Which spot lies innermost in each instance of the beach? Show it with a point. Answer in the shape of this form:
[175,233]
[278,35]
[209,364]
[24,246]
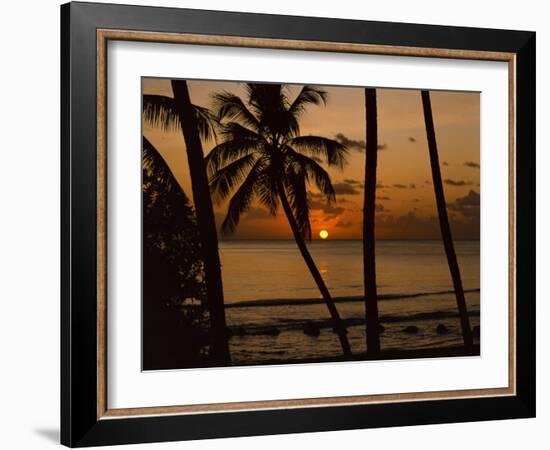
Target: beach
[276,315]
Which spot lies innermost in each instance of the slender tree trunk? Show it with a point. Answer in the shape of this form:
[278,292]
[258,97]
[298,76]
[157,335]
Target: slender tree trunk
[369,256]
[336,320]
[444,221]
[205,220]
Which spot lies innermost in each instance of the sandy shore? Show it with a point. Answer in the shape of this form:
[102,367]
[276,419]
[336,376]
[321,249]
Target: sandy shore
[383,355]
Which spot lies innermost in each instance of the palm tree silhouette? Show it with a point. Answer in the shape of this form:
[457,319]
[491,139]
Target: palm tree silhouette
[179,112]
[369,256]
[263,157]
[444,221]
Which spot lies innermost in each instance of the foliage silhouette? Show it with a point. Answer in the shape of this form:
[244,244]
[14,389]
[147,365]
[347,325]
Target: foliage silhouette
[174,292]
[263,157]
[197,123]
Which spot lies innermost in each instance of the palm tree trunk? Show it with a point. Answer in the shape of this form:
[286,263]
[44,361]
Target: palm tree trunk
[205,220]
[369,256]
[336,320]
[444,221]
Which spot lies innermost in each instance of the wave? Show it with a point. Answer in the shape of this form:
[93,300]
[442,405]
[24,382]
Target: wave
[349,299]
[251,329]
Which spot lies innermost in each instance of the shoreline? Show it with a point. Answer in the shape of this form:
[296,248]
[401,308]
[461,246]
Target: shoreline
[384,355]
[346,299]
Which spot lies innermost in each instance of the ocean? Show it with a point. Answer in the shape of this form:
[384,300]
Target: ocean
[270,296]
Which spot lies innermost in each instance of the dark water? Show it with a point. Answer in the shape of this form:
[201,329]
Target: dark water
[271,296]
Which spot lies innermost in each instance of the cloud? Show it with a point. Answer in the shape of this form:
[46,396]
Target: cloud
[352,181]
[383,198]
[317,202]
[445,163]
[405,186]
[471,164]
[413,226]
[451,182]
[343,224]
[411,139]
[358,145]
[468,205]
[346,188]
[350,143]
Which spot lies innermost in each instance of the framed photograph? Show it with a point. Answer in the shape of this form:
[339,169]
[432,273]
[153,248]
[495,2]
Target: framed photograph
[276,224]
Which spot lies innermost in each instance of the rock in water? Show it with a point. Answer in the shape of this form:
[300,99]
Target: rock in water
[441,329]
[412,329]
[312,329]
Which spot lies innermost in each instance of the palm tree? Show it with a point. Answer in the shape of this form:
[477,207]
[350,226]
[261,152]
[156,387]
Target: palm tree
[444,221]
[369,257]
[263,157]
[194,121]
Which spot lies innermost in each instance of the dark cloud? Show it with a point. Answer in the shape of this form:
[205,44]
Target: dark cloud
[412,226]
[350,143]
[352,181]
[379,207]
[358,145]
[330,210]
[316,195]
[468,205]
[451,182]
[471,164]
[346,188]
[383,198]
[404,186]
[411,139]
[343,224]
[445,163]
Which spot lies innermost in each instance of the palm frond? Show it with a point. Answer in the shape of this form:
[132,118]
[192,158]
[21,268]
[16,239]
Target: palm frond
[236,131]
[154,166]
[228,106]
[225,179]
[227,152]
[309,95]
[296,187]
[267,187]
[309,168]
[241,201]
[334,152]
[160,111]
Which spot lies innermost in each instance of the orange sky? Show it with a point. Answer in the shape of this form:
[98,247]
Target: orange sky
[405,197]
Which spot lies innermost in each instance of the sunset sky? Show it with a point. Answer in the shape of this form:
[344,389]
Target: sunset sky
[405,197]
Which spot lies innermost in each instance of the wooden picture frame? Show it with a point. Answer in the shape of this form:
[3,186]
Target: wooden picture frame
[86,419]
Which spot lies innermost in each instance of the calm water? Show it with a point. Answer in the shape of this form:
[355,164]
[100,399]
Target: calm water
[266,282]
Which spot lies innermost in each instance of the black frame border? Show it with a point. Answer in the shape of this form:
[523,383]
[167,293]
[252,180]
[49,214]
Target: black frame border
[79,424]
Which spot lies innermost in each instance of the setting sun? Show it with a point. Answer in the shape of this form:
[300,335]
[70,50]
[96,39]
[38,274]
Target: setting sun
[323,234]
